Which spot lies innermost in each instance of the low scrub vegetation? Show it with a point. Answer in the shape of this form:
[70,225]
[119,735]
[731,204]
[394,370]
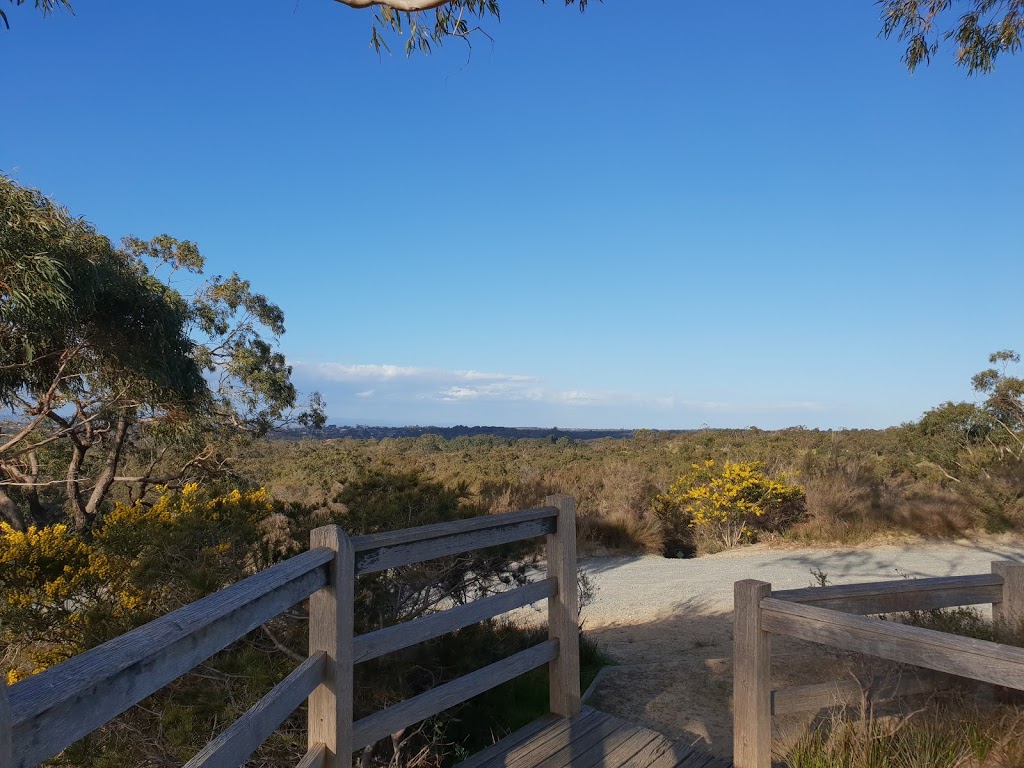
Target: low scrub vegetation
[62,592]
[718,506]
[951,729]
[955,733]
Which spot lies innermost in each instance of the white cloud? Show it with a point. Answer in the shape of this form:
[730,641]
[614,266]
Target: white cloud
[408,384]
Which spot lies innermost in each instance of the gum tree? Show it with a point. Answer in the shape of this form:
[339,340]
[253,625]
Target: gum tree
[102,356]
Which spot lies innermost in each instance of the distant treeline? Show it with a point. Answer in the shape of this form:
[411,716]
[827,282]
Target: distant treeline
[367,432]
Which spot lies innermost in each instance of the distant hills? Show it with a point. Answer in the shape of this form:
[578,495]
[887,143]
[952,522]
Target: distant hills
[373,432]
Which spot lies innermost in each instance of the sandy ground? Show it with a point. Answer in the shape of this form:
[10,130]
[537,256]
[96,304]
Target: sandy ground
[668,625]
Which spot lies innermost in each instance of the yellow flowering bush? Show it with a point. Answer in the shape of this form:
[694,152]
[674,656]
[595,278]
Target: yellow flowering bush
[61,593]
[723,505]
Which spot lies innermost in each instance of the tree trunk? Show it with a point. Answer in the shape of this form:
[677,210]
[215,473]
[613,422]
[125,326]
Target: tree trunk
[106,476]
[74,490]
[11,513]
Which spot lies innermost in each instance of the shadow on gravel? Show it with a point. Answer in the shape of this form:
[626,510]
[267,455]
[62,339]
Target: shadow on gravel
[872,565]
[674,675]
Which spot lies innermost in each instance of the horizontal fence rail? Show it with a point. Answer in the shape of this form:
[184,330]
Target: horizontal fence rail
[56,708]
[44,714]
[811,698]
[394,718]
[391,639]
[839,617]
[243,737]
[901,595]
[928,648]
[381,551]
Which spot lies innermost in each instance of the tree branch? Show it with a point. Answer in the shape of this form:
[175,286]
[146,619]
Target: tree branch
[405,6]
[106,478]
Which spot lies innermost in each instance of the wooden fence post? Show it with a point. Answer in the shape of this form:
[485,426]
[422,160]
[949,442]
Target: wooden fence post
[1011,610]
[331,630]
[6,728]
[751,678]
[563,609]
[1010,614]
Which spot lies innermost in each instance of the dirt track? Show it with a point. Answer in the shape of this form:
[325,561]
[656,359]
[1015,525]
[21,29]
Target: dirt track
[668,624]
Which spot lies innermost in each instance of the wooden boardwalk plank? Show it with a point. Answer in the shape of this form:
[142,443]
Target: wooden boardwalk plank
[591,739]
[504,746]
[556,732]
[585,749]
[642,747]
[571,728]
[604,754]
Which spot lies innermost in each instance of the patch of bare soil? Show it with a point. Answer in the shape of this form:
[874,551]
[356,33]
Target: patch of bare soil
[675,675]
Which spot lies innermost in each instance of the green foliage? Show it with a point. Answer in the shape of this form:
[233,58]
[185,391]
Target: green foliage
[981,30]
[723,505]
[102,355]
[442,20]
[62,592]
[978,448]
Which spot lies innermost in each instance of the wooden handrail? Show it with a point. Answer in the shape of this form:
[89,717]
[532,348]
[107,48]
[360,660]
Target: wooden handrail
[827,615]
[928,648]
[390,639]
[383,551]
[48,712]
[398,716]
[243,737]
[901,595]
[56,708]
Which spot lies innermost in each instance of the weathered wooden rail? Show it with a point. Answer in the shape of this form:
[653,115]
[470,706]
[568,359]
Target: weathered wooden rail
[46,713]
[840,617]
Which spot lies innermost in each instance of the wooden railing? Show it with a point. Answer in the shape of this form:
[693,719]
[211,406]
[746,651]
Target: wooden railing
[829,615]
[46,713]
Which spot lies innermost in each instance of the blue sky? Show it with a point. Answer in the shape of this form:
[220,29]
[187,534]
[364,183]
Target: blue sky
[655,214]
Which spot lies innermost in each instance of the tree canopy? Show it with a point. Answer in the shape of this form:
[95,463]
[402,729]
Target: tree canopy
[979,30]
[99,352]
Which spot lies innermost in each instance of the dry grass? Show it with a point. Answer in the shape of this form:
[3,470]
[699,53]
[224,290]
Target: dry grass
[952,733]
[620,531]
[851,504]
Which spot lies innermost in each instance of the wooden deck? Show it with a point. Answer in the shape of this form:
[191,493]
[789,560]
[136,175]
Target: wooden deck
[591,739]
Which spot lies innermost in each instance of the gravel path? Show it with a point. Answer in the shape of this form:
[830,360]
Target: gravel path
[668,624]
[641,588]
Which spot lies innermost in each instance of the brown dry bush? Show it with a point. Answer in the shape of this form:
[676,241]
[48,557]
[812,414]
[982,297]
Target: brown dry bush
[853,503]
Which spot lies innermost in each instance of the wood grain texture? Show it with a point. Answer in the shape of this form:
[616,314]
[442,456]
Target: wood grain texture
[372,541]
[1010,608]
[591,739]
[963,656]
[558,738]
[243,737]
[751,698]
[331,629]
[391,639]
[563,609]
[606,753]
[6,728]
[639,750]
[901,594]
[314,758]
[841,693]
[586,748]
[377,726]
[56,708]
[397,555]
[497,751]
[550,740]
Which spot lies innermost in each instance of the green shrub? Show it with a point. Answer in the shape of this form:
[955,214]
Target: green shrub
[722,505]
